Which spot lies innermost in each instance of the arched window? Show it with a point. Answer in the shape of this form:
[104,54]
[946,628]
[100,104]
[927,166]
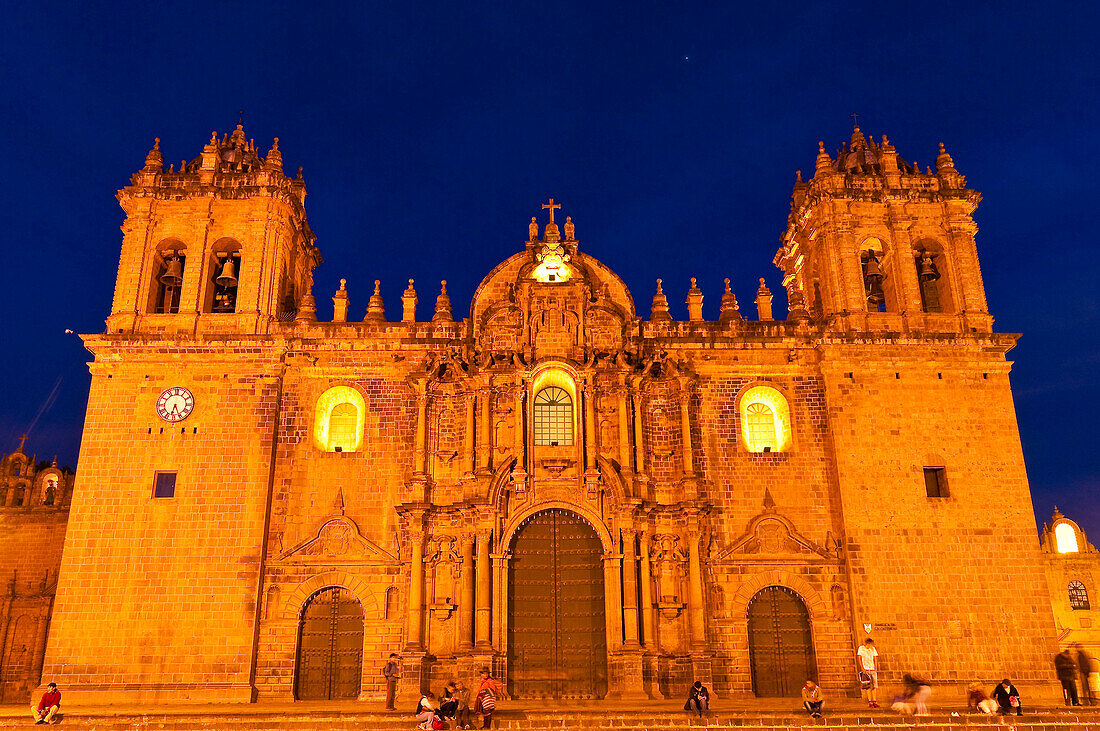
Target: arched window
[1065,538]
[553,417]
[223,274]
[1078,596]
[877,287]
[765,420]
[169,262]
[341,427]
[338,423]
[760,428]
[932,277]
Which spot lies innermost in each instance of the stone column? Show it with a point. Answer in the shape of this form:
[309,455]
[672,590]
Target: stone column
[630,591]
[685,427]
[421,431]
[696,619]
[613,603]
[416,591]
[484,599]
[639,434]
[624,429]
[470,458]
[649,613]
[519,474]
[466,599]
[485,397]
[589,426]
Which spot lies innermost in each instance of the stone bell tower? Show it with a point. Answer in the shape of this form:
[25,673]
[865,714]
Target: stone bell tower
[219,245]
[873,243]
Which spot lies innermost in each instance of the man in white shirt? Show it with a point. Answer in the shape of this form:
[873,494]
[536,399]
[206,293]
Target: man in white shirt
[866,657]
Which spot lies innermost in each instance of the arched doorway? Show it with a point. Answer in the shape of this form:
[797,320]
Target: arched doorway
[781,650]
[330,646]
[557,641]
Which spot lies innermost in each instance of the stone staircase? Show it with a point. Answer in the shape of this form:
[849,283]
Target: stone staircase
[579,719]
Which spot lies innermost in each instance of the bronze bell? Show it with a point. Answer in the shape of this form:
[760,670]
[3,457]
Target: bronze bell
[173,273]
[871,269]
[228,277]
[928,272]
[872,279]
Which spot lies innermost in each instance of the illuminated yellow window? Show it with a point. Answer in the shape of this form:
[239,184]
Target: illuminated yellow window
[760,429]
[553,417]
[338,424]
[1065,537]
[341,427]
[765,420]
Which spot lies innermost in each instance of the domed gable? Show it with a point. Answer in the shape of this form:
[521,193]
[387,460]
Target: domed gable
[499,287]
[551,301]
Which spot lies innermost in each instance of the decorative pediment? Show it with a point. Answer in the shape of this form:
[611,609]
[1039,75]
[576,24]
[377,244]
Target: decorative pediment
[771,537]
[338,542]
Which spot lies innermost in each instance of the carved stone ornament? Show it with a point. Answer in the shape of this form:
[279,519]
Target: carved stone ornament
[338,542]
[771,536]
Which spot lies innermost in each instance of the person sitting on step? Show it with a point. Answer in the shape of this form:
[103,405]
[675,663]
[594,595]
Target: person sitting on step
[812,699]
[698,699]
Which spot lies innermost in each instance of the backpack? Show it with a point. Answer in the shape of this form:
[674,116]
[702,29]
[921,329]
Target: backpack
[488,702]
[438,723]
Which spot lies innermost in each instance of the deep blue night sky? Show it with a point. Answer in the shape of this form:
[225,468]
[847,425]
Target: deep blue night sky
[670,131]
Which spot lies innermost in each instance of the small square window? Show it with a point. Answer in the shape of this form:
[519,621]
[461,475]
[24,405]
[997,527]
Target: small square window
[164,484]
[935,482]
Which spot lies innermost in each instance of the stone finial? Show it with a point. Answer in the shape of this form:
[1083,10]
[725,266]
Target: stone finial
[408,303]
[763,301]
[570,229]
[944,162]
[659,311]
[1057,514]
[274,159]
[858,140]
[154,161]
[443,305]
[694,302]
[824,163]
[340,303]
[798,176]
[376,311]
[533,230]
[796,303]
[888,157]
[728,310]
[307,308]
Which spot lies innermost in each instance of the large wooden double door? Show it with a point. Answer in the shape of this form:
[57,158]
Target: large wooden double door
[781,647]
[557,641]
[330,646]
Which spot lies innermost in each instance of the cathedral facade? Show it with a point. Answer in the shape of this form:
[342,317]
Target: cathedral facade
[594,501]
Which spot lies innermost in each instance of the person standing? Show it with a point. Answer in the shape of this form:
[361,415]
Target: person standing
[48,707]
[867,662]
[1065,665]
[486,700]
[462,715]
[1008,698]
[812,700]
[392,676]
[698,699]
[1084,664]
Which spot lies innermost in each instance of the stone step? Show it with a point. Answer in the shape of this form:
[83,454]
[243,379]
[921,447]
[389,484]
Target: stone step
[586,720]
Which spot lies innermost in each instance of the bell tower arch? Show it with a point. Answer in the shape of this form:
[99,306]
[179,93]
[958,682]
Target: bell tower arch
[219,245]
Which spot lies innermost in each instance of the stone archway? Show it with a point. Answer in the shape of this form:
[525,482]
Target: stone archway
[330,646]
[557,637]
[781,651]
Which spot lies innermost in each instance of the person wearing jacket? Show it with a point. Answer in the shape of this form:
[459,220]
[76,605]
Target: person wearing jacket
[698,699]
[425,711]
[1065,666]
[1008,698]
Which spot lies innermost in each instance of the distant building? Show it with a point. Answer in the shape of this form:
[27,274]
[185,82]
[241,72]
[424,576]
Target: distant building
[1073,573]
[34,510]
[593,501]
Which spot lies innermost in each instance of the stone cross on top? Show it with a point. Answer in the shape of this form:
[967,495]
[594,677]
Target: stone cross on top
[551,205]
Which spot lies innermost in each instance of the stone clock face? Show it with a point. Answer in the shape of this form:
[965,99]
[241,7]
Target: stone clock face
[175,404]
